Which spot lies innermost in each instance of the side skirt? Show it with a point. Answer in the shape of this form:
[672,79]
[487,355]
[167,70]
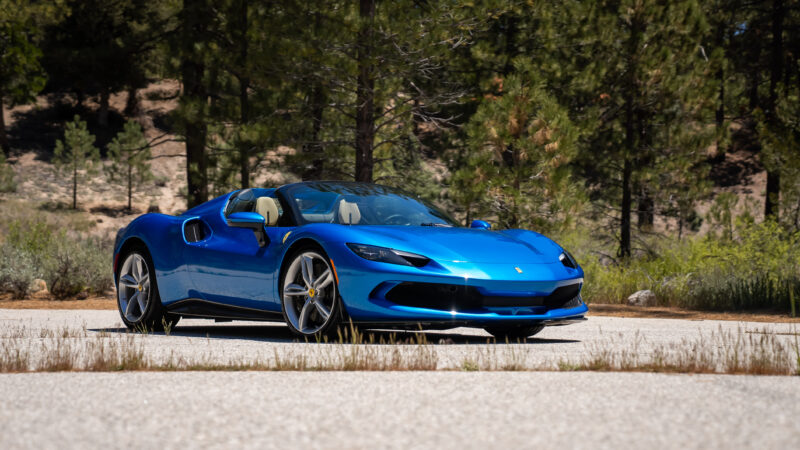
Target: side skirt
[204,309]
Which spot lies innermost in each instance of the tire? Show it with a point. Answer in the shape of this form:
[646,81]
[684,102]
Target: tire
[513,333]
[309,294]
[136,286]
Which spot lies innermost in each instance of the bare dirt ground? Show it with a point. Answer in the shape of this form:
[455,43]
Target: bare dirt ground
[663,312]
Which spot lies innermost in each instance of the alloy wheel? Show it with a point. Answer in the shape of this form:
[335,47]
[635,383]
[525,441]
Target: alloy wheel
[309,293]
[133,290]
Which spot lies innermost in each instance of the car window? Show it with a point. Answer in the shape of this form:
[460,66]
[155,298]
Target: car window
[360,204]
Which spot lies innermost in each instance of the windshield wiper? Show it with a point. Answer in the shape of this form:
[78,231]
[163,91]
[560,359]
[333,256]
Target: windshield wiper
[431,224]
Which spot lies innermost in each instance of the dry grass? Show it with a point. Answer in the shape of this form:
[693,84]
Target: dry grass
[724,352]
[727,352]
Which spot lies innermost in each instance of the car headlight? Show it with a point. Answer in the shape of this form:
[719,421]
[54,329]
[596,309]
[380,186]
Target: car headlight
[388,255]
[568,260]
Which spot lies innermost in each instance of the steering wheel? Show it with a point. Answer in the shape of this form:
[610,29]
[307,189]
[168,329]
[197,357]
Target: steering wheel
[396,219]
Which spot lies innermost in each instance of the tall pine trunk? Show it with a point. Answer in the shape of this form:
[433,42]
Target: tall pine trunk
[3,136]
[772,201]
[631,96]
[193,16]
[313,148]
[132,103]
[720,112]
[74,185]
[130,185]
[102,113]
[365,96]
[625,221]
[244,100]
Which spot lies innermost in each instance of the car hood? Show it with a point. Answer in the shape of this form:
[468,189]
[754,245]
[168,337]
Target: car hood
[460,244]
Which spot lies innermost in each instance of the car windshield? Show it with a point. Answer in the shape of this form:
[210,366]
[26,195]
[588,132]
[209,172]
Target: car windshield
[363,204]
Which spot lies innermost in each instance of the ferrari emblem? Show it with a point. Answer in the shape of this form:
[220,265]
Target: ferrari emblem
[518,269]
[311,292]
[140,288]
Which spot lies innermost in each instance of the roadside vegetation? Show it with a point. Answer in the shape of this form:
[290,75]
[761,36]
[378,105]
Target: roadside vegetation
[757,267]
[754,266]
[752,352]
[53,247]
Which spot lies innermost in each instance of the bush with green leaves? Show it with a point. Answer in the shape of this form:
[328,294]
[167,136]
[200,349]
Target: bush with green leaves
[75,266]
[68,263]
[17,271]
[758,267]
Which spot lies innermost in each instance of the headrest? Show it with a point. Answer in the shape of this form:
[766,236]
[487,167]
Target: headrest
[266,207]
[349,213]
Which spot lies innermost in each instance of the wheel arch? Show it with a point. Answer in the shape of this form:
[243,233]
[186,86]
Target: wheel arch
[129,244]
[300,243]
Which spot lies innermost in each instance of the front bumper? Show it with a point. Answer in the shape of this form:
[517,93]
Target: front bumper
[492,293]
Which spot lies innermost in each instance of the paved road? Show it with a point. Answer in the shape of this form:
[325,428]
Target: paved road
[397,410]
[447,409]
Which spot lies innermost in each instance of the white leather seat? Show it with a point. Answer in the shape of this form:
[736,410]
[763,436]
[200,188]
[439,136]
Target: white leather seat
[266,207]
[349,213]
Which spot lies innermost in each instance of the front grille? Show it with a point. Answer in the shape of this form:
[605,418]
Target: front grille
[450,297]
[446,297]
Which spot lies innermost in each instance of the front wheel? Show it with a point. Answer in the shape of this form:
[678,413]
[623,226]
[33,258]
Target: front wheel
[309,297]
[513,333]
[137,294]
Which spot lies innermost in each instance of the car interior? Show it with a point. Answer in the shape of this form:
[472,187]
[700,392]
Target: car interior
[258,201]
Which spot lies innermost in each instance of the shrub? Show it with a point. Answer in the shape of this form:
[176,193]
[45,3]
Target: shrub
[17,271]
[70,265]
[75,266]
[755,267]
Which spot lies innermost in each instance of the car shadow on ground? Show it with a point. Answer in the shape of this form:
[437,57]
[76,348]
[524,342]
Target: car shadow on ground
[281,334]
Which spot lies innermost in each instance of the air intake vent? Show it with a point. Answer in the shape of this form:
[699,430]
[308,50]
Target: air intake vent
[449,297]
[194,231]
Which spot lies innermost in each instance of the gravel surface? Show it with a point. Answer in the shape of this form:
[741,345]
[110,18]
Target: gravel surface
[397,410]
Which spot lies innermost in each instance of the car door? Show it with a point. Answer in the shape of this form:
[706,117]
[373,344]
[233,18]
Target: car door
[229,267]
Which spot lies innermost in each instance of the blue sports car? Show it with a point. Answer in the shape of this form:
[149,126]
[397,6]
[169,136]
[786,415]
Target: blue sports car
[317,254]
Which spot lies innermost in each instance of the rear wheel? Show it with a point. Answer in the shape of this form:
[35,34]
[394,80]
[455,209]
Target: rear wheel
[515,332]
[309,297]
[137,294]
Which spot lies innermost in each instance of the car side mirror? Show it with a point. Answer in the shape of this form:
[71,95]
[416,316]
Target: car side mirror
[251,220]
[480,225]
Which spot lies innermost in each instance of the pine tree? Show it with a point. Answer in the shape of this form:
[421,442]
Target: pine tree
[76,155]
[102,47]
[195,57]
[21,74]
[522,144]
[129,153]
[642,89]
[377,70]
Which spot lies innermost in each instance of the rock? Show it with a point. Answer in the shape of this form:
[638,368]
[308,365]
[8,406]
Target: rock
[38,285]
[642,298]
